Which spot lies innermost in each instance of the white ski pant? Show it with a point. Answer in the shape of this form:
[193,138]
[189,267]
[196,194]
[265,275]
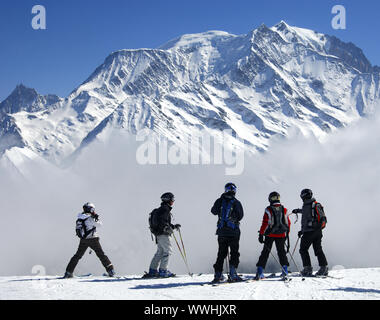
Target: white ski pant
[164,250]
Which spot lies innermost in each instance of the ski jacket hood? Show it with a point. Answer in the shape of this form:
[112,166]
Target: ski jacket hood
[228,195]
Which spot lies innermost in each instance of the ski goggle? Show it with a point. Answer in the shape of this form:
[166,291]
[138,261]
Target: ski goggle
[275,197]
[89,207]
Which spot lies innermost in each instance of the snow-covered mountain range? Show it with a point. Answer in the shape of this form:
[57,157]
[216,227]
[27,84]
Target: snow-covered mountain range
[259,84]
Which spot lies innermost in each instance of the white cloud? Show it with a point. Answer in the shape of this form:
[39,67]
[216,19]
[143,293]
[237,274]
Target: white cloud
[38,216]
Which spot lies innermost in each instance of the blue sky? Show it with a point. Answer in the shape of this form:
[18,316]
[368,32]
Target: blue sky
[80,34]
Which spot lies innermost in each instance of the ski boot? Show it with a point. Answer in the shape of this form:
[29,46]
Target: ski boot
[307,271]
[259,273]
[68,275]
[233,276]
[284,272]
[111,271]
[153,273]
[218,277]
[323,271]
[164,273]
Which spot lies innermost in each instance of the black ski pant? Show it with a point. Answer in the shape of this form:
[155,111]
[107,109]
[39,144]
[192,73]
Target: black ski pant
[313,238]
[281,252]
[224,244]
[94,244]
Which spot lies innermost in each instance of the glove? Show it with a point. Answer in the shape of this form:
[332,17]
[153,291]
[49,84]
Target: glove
[261,238]
[168,229]
[296,211]
[96,217]
[177,226]
[77,231]
[300,233]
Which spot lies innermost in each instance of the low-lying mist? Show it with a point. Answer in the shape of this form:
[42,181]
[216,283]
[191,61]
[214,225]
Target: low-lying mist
[38,214]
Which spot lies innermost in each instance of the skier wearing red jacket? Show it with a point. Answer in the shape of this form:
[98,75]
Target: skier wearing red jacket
[275,228]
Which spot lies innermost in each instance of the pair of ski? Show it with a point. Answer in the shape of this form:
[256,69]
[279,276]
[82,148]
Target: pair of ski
[298,275]
[273,275]
[147,277]
[285,279]
[114,276]
[90,274]
[317,276]
[76,277]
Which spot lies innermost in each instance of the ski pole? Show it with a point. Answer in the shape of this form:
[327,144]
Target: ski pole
[183,258]
[179,248]
[295,247]
[298,270]
[228,262]
[296,216]
[282,268]
[184,252]
[291,255]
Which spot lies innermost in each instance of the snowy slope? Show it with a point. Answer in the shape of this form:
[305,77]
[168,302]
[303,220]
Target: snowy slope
[355,284]
[259,84]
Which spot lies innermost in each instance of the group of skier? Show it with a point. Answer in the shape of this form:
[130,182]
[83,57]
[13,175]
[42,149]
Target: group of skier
[275,229]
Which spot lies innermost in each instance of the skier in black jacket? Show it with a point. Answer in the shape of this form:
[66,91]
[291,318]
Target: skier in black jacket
[230,212]
[163,230]
[313,222]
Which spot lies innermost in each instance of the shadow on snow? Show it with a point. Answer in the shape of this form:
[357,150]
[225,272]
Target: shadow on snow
[358,290]
[168,285]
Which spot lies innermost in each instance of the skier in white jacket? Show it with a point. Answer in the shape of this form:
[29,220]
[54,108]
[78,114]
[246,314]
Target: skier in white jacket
[86,225]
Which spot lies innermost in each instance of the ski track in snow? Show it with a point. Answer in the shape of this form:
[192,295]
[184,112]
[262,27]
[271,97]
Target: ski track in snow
[354,284]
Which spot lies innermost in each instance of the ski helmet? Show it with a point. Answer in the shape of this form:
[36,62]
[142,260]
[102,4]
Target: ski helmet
[306,194]
[274,197]
[88,207]
[167,197]
[230,187]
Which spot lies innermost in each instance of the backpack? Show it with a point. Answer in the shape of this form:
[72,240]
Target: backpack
[153,222]
[319,219]
[225,218]
[81,230]
[278,223]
